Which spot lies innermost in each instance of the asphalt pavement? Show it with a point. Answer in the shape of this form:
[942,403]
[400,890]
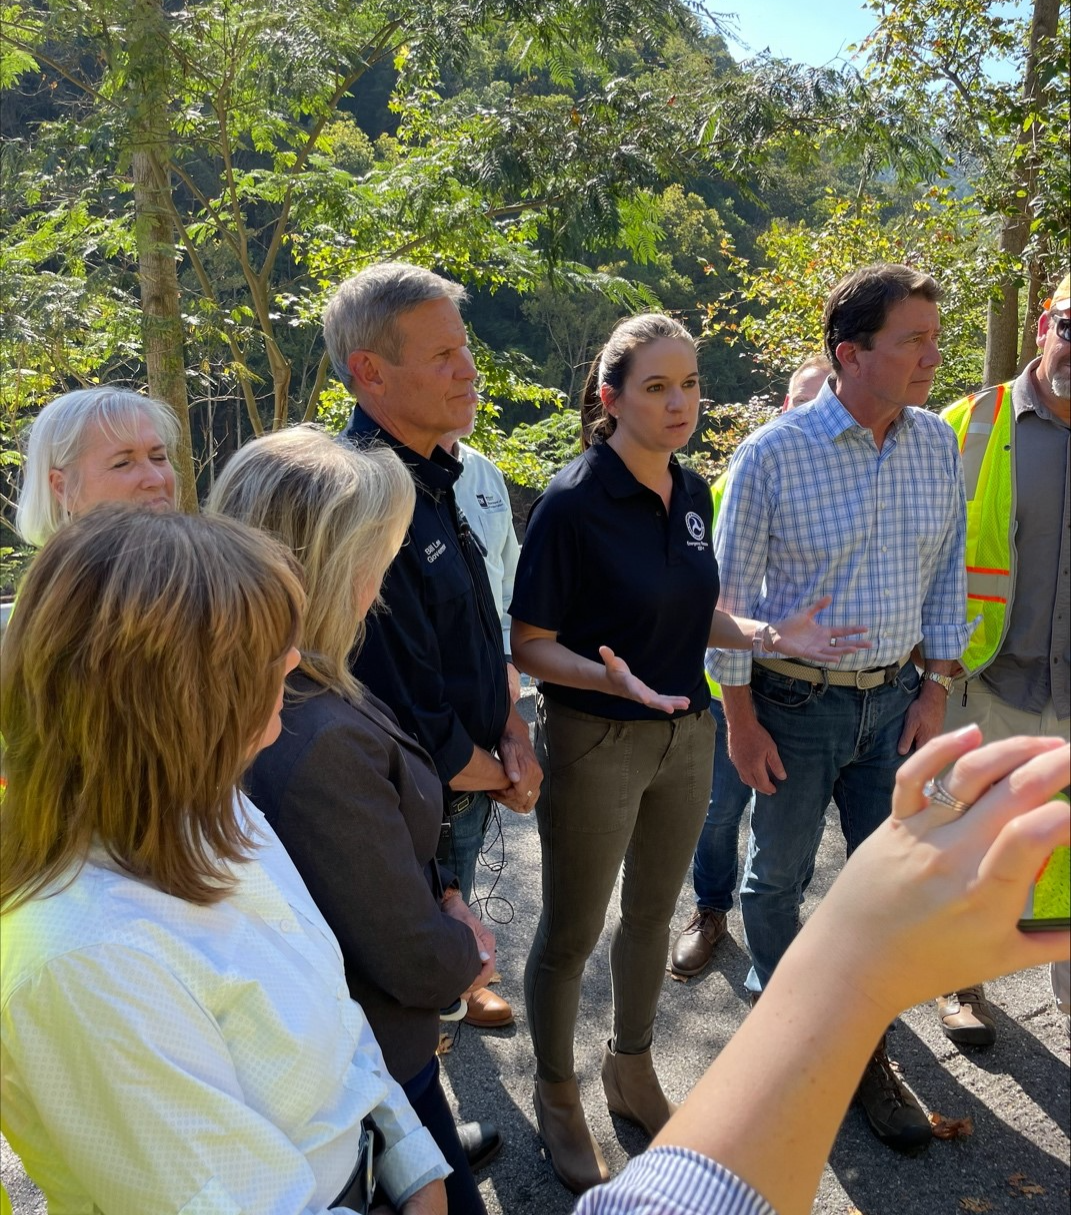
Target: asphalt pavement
[1016,1093]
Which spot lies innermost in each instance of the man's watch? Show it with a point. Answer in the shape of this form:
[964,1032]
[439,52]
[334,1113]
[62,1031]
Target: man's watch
[944,680]
[763,640]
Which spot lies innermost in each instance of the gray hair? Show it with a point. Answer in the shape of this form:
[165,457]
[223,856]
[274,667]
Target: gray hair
[58,438]
[363,312]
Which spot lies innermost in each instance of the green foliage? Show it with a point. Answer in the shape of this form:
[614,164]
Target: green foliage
[14,61]
[535,451]
[569,160]
[277,193]
[723,428]
[939,234]
[962,64]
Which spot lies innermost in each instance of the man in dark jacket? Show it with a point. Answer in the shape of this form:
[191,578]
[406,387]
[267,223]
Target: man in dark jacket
[434,654]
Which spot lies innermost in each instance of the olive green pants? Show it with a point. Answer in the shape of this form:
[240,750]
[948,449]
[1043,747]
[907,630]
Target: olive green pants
[615,793]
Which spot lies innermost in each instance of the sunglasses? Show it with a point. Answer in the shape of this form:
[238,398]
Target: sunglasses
[1063,328]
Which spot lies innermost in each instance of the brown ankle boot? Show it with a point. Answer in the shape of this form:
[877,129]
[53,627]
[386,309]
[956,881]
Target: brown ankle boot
[573,1152]
[633,1091]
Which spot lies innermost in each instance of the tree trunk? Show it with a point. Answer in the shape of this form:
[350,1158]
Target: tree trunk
[161,317]
[1029,347]
[1002,316]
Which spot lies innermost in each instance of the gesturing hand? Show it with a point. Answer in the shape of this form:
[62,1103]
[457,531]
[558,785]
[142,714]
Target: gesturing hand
[624,683]
[801,636]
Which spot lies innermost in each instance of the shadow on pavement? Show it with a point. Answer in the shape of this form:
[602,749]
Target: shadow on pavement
[998,1168]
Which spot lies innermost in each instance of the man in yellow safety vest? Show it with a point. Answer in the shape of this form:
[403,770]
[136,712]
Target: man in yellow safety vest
[1016,678]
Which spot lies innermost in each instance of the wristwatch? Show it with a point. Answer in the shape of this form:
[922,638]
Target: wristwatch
[763,640]
[944,680]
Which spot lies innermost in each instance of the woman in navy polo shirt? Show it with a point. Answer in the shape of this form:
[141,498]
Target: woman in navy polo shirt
[615,597]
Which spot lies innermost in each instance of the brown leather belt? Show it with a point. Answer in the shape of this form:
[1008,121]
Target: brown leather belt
[863,680]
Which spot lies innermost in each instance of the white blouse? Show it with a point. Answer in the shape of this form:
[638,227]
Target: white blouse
[161,1056]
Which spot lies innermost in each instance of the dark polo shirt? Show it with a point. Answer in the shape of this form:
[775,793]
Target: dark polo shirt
[602,564]
[434,654]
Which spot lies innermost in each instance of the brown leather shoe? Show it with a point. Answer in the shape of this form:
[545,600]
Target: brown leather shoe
[573,1152]
[487,1011]
[633,1091]
[692,950]
[966,1017]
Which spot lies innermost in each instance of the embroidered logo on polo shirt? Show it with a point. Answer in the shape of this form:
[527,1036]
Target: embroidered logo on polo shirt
[696,527]
[490,501]
[434,550]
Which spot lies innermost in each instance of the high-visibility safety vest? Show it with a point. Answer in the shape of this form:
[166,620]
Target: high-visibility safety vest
[717,492]
[985,426]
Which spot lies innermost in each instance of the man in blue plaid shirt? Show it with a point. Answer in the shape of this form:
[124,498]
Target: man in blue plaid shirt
[858,495]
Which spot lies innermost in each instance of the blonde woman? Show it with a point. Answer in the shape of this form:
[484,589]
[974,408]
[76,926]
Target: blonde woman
[174,1019]
[91,446]
[356,802]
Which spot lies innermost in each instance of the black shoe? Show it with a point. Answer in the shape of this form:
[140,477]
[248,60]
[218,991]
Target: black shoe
[481,1142]
[891,1109]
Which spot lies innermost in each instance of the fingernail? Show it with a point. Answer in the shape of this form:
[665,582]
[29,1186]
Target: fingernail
[963,731]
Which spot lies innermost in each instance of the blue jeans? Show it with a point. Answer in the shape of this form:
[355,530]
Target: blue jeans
[462,850]
[714,868]
[837,743]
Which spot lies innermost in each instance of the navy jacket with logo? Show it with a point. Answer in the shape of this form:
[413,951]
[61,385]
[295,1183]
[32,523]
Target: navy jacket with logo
[434,654]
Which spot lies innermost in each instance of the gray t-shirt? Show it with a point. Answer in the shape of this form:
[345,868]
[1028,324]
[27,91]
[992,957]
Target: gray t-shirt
[1034,662]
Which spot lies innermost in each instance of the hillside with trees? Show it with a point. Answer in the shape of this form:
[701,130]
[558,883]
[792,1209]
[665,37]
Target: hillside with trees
[185,183]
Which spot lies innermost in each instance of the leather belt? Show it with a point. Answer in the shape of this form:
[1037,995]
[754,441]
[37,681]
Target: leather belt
[358,1193]
[459,803]
[862,680]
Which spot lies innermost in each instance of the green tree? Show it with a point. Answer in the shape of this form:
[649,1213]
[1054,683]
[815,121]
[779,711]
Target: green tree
[778,308]
[1007,129]
[215,132]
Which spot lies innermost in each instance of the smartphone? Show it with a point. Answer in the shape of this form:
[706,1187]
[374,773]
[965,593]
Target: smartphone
[1048,905]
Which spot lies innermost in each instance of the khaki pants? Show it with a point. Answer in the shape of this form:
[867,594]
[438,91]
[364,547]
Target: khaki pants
[996,718]
[615,793]
[999,720]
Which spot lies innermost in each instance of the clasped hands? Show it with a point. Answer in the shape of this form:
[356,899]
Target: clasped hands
[520,766]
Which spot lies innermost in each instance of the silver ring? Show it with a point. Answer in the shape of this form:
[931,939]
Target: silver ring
[832,641]
[936,792]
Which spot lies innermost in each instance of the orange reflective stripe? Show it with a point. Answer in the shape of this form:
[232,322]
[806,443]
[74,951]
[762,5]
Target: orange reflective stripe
[987,598]
[981,569]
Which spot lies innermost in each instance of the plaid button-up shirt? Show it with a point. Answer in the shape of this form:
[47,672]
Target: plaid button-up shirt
[674,1181]
[813,508]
